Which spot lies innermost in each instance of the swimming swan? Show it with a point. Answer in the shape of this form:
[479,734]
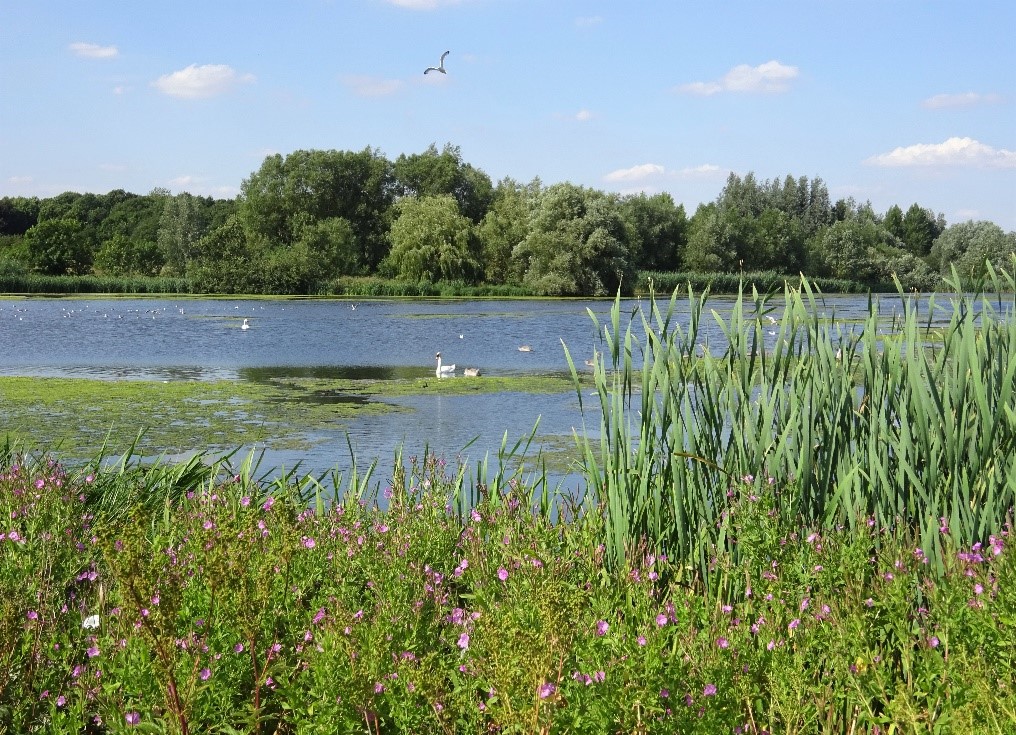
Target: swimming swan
[245,325]
[525,348]
[443,370]
[471,372]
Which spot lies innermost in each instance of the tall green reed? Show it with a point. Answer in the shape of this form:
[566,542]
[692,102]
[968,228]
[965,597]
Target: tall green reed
[889,424]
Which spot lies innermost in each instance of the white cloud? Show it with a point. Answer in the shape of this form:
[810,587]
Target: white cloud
[367,86]
[952,152]
[706,169]
[19,180]
[588,21]
[422,4]
[93,51]
[196,82]
[635,173]
[183,181]
[120,89]
[583,115]
[771,76]
[966,99]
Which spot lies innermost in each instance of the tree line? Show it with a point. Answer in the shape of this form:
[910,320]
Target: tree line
[304,220]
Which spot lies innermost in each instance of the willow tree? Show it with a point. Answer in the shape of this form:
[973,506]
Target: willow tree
[431,241]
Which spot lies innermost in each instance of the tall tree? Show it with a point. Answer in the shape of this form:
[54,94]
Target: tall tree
[660,230]
[920,228]
[57,247]
[433,173]
[431,240]
[180,228]
[278,200]
[503,227]
[578,244]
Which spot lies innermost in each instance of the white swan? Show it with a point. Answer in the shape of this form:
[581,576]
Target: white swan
[245,325]
[443,370]
[525,348]
[471,372]
[439,67]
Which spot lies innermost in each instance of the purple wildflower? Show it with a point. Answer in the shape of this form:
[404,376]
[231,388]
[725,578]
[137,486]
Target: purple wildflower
[709,691]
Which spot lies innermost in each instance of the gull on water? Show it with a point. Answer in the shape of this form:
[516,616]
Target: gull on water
[439,67]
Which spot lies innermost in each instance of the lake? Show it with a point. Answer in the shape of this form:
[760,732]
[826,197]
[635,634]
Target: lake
[169,339]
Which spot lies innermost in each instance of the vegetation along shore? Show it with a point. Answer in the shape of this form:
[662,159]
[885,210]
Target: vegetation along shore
[812,538]
[357,223]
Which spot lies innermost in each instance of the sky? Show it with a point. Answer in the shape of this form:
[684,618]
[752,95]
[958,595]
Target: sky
[887,101]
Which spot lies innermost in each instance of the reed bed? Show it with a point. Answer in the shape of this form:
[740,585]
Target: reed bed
[909,423]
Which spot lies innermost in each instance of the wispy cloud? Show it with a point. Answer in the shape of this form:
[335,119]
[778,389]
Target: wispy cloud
[588,21]
[422,4]
[635,173]
[197,82]
[965,99]
[584,115]
[706,169]
[20,180]
[771,76]
[952,152]
[368,86]
[93,51]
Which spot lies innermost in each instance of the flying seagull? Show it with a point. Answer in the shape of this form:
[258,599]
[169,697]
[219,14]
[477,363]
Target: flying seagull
[439,67]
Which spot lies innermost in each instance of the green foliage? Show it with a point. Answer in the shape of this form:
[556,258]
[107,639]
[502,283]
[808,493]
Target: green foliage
[970,246]
[504,226]
[660,230]
[578,244]
[434,173]
[215,600]
[839,410]
[287,194]
[431,241]
[57,247]
[121,256]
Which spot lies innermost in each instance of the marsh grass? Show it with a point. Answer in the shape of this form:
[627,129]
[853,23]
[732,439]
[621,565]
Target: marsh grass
[851,423]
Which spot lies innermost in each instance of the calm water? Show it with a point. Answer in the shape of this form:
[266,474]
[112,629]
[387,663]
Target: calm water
[188,339]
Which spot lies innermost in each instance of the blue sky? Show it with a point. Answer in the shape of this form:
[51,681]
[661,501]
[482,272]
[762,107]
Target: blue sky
[892,101]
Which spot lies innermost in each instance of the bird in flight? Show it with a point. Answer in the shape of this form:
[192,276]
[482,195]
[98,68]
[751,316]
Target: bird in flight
[439,67]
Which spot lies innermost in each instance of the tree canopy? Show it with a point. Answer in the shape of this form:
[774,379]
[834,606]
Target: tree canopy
[305,219]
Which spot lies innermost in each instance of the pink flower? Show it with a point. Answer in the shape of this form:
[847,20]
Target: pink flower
[794,623]
[132,718]
[602,626]
[709,691]
[546,689]
[464,641]
[502,574]
[93,651]
[308,542]
[661,620]
[205,674]
[641,640]
[722,642]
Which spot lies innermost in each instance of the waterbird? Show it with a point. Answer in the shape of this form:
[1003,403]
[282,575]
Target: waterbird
[471,372]
[439,67]
[245,325]
[443,370]
[525,348]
